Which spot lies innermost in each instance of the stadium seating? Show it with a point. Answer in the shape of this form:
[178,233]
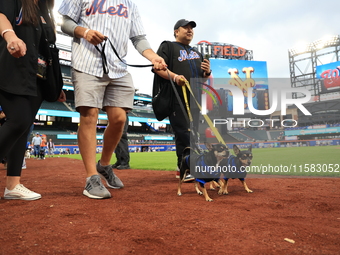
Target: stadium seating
[258,135]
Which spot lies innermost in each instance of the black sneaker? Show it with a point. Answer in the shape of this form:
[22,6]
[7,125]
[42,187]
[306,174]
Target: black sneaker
[109,176]
[121,167]
[94,188]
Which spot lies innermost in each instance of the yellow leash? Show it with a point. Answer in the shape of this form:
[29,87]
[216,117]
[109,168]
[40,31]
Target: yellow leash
[187,103]
[206,117]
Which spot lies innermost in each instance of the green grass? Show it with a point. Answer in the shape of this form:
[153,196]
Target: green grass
[302,161]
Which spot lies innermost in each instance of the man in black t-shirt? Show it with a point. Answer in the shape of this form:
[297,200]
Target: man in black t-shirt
[186,63]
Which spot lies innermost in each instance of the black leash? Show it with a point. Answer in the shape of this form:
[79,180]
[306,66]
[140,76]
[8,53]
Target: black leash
[104,60]
[193,136]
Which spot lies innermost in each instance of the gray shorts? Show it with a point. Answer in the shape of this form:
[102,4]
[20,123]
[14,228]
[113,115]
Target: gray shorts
[97,92]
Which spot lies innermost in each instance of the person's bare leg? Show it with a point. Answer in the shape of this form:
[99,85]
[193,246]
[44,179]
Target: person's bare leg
[12,181]
[113,133]
[87,141]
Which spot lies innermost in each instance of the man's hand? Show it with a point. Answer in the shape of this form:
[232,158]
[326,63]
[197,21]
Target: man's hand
[180,80]
[159,63]
[205,66]
[62,96]
[94,37]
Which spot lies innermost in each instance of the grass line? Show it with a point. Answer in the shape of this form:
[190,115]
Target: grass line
[299,161]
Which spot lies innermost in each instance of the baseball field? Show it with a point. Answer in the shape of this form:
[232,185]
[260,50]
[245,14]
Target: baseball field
[286,214]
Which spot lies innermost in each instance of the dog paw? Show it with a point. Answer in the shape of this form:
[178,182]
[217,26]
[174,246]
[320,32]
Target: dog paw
[209,200]
[179,194]
[200,193]
[249,191]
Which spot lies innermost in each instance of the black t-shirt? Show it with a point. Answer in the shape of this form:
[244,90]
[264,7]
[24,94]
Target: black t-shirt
[18,75]
[186,61]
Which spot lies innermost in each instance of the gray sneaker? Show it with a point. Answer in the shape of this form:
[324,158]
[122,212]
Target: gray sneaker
[94,188]
[112,180]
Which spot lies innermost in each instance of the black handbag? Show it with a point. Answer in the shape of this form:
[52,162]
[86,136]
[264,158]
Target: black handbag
[51,83]
[162,92]
[162,100]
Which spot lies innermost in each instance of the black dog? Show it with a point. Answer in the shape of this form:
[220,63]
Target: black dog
[207,160]
[235,167]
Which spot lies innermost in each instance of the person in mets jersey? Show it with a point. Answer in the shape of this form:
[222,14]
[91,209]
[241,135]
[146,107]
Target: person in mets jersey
[101,80]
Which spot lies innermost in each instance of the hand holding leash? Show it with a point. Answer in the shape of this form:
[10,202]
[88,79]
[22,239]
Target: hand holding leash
[180,80]
[159,63]
[94,37]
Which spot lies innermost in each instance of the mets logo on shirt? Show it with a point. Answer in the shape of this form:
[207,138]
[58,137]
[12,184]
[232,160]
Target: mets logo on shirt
[184,55]
[98,7]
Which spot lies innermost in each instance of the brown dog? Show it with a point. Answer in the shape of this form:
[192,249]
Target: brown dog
[236,166]
[209,159]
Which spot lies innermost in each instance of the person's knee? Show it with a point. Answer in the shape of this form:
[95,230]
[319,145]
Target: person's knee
[117,118]
[88,116]
[118,122]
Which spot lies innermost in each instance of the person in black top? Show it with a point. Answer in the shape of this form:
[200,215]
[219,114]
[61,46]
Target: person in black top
[187,63]
[21,23]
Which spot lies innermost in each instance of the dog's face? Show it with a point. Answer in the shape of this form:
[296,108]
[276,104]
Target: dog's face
[245,156]
[219,150]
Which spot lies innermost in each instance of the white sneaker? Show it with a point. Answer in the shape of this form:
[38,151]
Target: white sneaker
[21,192]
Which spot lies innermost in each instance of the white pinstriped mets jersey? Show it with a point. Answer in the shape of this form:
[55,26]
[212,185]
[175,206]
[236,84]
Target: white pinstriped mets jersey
[119,20]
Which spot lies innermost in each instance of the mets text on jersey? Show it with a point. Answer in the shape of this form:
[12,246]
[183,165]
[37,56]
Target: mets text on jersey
[97,7]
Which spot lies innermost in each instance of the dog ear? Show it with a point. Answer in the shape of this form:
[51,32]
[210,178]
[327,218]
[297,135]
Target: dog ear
[236,149]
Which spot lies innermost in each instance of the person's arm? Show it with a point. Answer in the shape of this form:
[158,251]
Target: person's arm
[143,47]
[71,28]
[167,74]
[176,78]
[15,46]
[157,61]
[180,79]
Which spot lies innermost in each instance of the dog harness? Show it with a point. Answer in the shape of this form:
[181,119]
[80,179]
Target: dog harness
[209,176]
[235,170]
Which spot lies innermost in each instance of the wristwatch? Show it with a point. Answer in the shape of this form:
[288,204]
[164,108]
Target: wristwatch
[208,74]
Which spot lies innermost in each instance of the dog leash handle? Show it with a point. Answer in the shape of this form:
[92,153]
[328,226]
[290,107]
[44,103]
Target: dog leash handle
[104,59]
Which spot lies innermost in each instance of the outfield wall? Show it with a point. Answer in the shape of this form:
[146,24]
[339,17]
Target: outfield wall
[73,149]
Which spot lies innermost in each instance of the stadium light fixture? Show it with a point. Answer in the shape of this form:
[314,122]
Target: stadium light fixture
[300,48]
[327,41]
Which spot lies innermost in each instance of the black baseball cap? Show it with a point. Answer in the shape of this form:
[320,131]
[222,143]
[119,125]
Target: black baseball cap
[184,22]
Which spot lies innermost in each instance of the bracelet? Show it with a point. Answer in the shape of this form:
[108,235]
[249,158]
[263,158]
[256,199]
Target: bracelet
[5,31]
[175,78]
[85,33]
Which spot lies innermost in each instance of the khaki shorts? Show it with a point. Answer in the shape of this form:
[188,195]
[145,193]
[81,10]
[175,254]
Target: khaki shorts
[92,91]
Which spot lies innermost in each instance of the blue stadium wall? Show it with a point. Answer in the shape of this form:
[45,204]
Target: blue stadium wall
[73,149]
